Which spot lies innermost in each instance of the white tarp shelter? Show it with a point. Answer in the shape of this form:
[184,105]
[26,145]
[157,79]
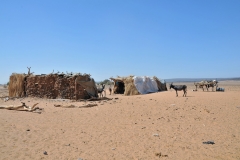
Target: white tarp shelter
[145,84]
[135,85]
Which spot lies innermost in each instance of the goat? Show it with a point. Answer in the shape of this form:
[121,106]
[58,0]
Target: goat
[100,90]
[29,70]
[29,73]
[179,88]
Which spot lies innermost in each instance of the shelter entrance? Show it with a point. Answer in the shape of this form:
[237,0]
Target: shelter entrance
[120,88]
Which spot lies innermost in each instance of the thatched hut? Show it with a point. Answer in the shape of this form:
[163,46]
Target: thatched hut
[133,85]
[67,86]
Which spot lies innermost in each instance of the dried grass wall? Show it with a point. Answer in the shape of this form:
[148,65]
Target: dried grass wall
[130,88]
[67,88]
[80,93]
[16,85]
[54,86]
[41,86]
[161,86]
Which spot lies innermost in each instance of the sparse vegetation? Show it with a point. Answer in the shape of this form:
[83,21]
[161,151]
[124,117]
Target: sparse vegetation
[106,82]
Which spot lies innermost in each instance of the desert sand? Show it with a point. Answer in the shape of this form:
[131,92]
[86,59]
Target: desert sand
[153,126]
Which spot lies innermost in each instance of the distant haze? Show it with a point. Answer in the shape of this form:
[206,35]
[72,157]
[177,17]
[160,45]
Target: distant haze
[199,79]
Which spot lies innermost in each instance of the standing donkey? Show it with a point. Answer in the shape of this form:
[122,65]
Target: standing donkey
[179,88]
[100,90]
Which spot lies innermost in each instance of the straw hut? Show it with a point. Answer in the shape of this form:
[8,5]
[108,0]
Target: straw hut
[66,86]
[135,85]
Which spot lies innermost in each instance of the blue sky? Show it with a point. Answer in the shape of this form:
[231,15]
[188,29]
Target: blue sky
[106,38]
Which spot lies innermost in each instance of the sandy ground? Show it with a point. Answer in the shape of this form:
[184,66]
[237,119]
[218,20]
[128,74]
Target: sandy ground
[152,126]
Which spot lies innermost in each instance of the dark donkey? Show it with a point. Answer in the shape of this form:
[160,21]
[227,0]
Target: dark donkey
[179,88]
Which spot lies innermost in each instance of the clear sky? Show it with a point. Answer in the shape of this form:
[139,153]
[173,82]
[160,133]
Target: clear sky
[106,38]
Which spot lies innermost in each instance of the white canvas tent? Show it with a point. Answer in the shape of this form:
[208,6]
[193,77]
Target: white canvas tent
[145,84]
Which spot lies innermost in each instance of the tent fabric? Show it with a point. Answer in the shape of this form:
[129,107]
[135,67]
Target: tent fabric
[145,84]
[89,85]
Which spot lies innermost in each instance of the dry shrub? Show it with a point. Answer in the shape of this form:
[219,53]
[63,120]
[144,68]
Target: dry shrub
[16,85]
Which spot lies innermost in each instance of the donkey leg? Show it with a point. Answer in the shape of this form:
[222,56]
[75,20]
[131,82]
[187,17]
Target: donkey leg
[176,94]
[185,93]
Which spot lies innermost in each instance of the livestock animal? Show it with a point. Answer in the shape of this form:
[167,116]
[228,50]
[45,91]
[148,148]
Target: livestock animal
[100,90]
[29,73]
[200,85]
[211,84]
[206,84]
[110,90]
[179,88]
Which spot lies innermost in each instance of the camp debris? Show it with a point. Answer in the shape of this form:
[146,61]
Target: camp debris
[74,106]
[220,89]
[23,107]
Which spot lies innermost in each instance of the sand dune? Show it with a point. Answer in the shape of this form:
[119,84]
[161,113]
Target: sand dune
[152,126]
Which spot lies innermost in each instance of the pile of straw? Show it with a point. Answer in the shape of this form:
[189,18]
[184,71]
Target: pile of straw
[16,85]
[130,88]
